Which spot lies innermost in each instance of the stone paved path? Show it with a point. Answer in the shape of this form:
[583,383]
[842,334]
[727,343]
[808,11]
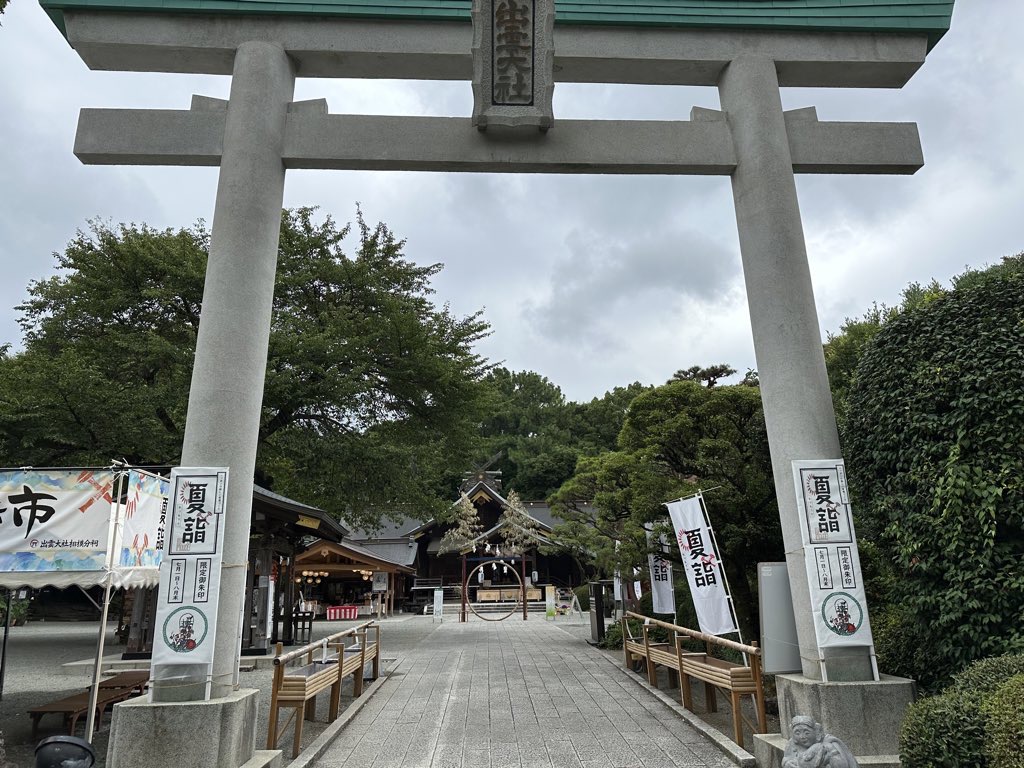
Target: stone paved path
[510,694]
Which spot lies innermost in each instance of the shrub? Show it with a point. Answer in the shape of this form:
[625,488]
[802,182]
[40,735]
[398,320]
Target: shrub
[612,637]
[1004,724]
[583,595]
[977,721]
[944,731]
[987,675]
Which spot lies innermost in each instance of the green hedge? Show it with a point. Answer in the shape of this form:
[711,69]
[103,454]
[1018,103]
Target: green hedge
[986,675]
[1004,716]
[944,731]
[978,722]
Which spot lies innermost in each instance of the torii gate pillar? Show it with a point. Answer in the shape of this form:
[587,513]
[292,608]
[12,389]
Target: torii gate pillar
[798,409]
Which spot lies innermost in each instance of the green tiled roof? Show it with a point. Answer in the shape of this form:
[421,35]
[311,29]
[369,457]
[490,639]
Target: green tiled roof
[931,17]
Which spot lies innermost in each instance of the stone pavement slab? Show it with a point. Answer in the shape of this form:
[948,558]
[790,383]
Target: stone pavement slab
[511,694]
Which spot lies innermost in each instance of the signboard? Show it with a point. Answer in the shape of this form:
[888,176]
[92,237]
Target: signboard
[780,649]
[549,601]
[703,567]
[662,593]
[144,517]
[380,581]
[55,520]
[834,578]
[438,605]
[186,614]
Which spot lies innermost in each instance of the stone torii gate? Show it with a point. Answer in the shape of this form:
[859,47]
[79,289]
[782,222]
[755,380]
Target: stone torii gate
[747,50]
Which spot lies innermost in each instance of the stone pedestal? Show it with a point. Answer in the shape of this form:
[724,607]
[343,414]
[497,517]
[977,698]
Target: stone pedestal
[866,716]
[219,733]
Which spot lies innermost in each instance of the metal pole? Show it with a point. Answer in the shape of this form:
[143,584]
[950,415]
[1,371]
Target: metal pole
[465,588]
[523,585]
[3,653]
[94,691]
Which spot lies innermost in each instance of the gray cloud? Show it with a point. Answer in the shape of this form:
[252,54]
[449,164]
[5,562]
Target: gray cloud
[591,281]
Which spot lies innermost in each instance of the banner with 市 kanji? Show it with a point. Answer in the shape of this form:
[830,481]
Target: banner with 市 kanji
[702,565]
[839,605]
[55,520]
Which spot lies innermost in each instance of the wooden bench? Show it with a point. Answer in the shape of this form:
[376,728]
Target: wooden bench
[74,706]
[296,688]
[135,680]
[732,679]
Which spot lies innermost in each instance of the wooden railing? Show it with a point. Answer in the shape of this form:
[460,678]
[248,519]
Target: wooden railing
[734,680]
[296,688]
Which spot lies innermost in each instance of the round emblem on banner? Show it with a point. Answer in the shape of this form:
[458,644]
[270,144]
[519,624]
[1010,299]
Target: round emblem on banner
[842,613]
[185,629]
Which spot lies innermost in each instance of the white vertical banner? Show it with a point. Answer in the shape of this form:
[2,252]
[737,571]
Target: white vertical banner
[662,595]
[187,602]
[703,566]
[840,608]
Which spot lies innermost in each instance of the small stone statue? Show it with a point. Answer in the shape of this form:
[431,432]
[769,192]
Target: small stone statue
[811,747]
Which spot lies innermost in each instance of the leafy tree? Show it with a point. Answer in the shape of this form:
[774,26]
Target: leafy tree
[596,425]
[526,422]
[540,435]
[677,438]
[934,444]
[372,393]
[843,350]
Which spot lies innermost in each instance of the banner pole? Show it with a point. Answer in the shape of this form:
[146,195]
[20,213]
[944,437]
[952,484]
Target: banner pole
[3,652]
[94,691]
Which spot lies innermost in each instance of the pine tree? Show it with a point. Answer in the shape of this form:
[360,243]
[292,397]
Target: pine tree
[467,527]
[520,531]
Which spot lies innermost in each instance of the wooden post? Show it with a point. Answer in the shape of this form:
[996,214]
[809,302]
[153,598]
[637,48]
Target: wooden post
[376,655]
[274,689]
[652,672]
[710,698]
[625,640]
[755,669]
[684,679]
[357,680]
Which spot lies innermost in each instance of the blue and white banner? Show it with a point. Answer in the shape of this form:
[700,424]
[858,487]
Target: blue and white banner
[56,520]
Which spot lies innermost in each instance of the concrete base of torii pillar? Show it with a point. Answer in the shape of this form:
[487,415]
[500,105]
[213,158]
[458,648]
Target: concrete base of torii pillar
[219,733]
[864,715]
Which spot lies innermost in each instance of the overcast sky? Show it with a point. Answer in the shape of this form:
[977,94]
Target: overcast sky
[592,281]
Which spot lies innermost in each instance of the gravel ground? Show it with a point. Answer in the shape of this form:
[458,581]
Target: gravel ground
[35,675]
